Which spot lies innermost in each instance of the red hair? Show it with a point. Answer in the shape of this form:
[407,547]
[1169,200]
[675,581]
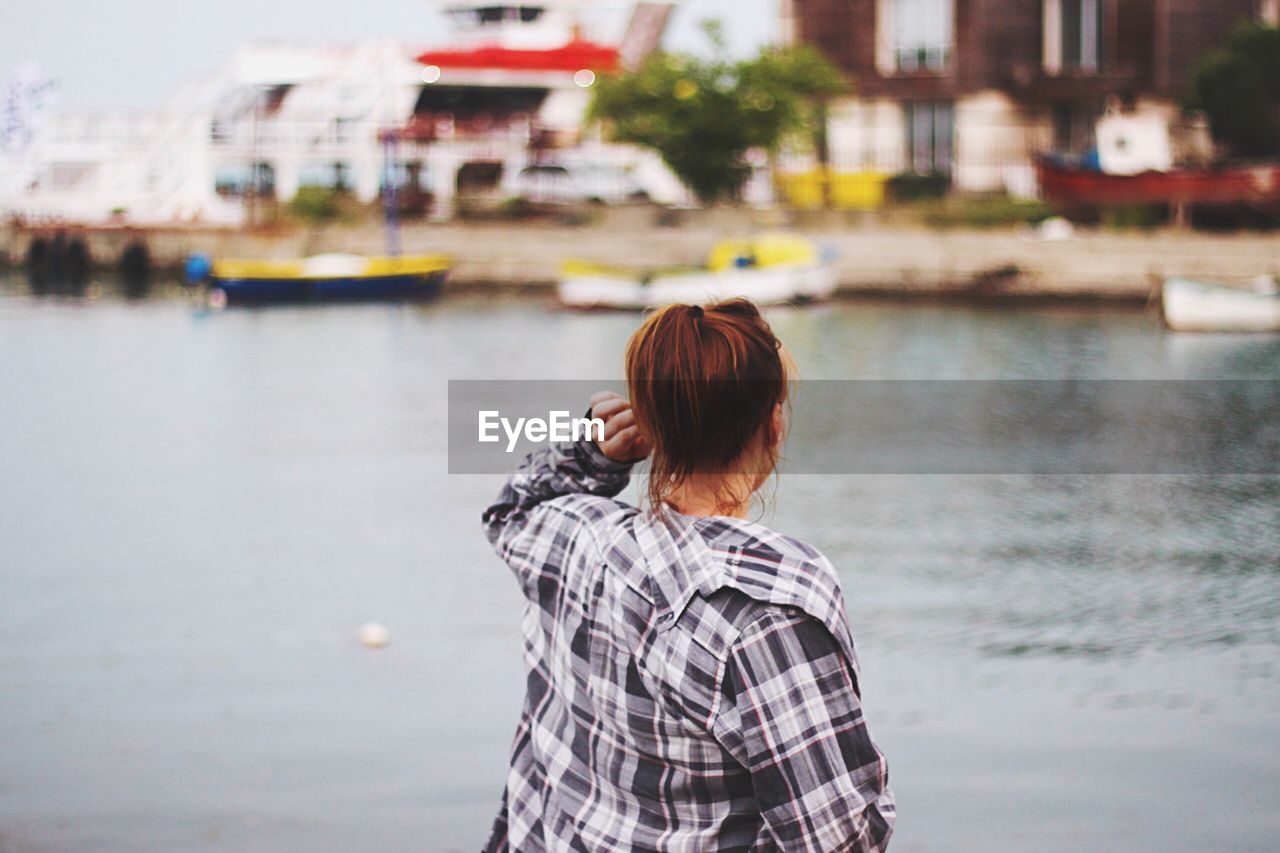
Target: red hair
[705,384]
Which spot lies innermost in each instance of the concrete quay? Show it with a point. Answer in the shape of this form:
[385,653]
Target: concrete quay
[873,259]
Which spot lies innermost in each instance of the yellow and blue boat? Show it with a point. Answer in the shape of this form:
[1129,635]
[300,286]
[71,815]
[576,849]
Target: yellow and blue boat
[327,278]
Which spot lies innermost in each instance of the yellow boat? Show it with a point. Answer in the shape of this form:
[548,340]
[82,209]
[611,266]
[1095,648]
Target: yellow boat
[767,269]
[330,277]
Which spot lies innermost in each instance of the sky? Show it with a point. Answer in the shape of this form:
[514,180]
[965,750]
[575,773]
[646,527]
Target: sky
[134,53]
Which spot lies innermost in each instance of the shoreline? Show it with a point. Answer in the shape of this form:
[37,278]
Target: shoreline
[874,260]
[1117,299]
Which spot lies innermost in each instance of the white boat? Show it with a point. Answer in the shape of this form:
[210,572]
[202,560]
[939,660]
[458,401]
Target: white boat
[1194,306]
[769,269]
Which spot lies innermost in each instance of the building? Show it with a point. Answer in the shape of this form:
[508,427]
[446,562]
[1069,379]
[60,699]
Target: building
[974,89]
[274,118]
[510,85]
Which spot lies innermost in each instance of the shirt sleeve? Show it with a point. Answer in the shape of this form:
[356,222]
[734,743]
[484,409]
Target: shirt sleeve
[522,528]
[790,712]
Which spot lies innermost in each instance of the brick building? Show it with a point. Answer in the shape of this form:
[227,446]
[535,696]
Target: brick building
[975,88]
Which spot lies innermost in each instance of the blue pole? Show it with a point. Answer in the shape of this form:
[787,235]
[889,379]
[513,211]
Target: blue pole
[391,192]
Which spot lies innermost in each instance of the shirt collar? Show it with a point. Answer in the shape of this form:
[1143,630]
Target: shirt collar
[684,555]
[677,562]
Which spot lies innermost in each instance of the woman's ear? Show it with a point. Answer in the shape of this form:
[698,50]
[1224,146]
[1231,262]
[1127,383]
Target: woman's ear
[778,426]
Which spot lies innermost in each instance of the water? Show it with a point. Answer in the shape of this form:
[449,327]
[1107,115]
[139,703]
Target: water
[199,510]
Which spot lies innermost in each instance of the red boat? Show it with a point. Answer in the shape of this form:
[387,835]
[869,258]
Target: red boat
[1255,183]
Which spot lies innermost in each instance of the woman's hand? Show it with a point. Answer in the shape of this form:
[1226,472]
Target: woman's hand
[622,440]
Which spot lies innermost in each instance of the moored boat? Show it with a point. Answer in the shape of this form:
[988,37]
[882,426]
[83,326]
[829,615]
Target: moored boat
[327,278]
[1194,306]
[1250,183]
[769,269]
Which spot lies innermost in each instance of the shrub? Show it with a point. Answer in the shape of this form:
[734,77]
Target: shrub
[984,211]
[516,207]
[910,186]
[1125,216]
[315,205]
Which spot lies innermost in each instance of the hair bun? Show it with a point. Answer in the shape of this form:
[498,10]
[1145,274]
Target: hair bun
[695,312]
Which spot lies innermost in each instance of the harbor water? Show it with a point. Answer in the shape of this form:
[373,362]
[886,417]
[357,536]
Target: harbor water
[199,510]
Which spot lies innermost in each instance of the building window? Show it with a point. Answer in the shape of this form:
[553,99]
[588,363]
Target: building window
[337,176]
[921,34]
[242,179]
[930,127]
[472,16]
[1073,34]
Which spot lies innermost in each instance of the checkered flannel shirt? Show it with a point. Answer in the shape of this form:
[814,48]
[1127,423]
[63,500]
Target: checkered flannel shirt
[691,681]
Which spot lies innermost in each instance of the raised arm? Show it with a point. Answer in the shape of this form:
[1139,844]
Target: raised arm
[523,530]
[791,714]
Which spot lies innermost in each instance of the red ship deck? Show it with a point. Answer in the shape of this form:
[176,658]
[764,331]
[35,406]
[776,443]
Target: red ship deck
[574,56]
[1256,183]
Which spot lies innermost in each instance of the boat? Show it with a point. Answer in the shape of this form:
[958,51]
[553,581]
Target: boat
[1195,306]
[1248,183]
[326,278]
[769,269]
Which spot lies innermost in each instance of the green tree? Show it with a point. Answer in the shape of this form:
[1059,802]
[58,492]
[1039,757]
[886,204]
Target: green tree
[315,205]
[1238,86]
[702,115]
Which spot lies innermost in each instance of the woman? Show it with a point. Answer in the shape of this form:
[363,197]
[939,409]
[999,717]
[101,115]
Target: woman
[692,682]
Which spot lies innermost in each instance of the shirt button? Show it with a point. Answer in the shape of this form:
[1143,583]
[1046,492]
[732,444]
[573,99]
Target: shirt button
[665,617]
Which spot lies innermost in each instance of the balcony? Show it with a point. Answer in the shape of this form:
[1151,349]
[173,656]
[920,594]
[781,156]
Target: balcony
[1035,83]
[445,126]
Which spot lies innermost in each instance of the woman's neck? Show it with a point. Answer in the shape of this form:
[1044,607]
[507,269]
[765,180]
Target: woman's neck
[707,495]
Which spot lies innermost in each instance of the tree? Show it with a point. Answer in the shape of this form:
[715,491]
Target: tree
[1238,86]
[315,205]
[702,115]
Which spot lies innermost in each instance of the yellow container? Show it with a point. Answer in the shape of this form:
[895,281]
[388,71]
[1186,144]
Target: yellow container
[802,189]
[849,190]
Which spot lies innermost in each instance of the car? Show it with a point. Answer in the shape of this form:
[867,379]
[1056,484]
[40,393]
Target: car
[560,183]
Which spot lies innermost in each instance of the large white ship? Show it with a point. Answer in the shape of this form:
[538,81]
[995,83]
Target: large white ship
[509,86]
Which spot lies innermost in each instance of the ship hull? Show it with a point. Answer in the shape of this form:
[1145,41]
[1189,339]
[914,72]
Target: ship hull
[327,278]
[1257,183]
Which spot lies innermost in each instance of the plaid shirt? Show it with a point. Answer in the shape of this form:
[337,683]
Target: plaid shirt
[691,682]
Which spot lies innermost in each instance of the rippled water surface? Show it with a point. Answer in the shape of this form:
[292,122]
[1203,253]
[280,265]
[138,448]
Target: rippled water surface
[197,511]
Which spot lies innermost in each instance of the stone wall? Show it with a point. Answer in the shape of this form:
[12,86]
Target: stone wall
[873,259]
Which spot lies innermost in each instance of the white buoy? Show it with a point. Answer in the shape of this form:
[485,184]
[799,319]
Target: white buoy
[1055,228]
[373,635]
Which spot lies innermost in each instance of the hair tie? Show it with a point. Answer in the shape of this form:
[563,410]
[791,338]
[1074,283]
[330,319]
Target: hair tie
[695,311]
